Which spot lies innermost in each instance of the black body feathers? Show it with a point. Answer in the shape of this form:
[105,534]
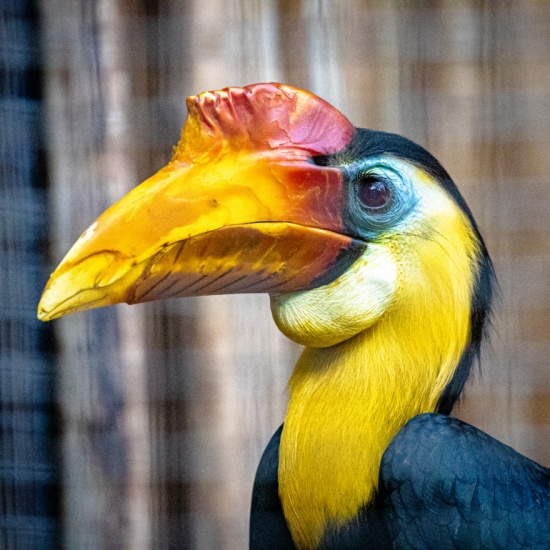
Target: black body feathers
[447,484]
[443,485]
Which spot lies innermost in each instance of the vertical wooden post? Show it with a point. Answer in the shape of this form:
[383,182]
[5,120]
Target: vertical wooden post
[102,390]
[243,362]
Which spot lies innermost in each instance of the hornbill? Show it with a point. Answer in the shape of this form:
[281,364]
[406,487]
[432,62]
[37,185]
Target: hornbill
[373,261]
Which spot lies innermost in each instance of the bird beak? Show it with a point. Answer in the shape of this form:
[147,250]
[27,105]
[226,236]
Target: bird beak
[241,207]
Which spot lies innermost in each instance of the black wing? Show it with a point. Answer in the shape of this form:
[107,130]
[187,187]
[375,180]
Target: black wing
[443,485]
[448,485]
[268,528]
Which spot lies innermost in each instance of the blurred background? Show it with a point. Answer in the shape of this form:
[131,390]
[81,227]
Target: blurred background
[141,427]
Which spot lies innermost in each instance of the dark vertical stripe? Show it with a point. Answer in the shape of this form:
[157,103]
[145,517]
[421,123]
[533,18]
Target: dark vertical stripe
[29,477]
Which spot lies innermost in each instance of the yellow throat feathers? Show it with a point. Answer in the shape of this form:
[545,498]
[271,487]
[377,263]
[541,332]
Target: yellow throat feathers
[348,401]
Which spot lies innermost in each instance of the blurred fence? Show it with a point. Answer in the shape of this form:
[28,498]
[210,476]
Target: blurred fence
[29,484]
[164,409]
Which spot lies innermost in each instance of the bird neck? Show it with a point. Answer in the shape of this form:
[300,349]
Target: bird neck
[348,401]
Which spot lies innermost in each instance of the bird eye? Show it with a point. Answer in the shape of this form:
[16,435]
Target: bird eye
[380,195]
[373,192]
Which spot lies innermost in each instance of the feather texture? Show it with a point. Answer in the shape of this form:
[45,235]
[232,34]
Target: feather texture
[443,484]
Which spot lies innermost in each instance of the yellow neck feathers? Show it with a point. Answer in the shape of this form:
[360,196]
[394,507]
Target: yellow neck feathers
[349,400]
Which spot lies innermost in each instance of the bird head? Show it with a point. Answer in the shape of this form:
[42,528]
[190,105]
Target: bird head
[271,189]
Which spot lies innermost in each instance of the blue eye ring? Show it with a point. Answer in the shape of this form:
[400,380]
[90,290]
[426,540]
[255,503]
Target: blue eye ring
[380,195]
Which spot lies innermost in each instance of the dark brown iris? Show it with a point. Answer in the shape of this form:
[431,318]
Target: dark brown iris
[373,192]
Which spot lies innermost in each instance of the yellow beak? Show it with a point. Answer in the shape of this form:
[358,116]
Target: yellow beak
[240,208]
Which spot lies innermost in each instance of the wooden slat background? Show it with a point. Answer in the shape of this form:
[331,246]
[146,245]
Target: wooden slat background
[166,407]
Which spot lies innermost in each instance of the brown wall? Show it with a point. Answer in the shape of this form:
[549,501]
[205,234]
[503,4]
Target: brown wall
[167,407]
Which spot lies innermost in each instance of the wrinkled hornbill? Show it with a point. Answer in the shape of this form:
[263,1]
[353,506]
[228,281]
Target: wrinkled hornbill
[373,261]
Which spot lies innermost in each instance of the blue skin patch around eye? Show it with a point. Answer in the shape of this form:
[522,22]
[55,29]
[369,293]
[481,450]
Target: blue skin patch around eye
[398,176]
